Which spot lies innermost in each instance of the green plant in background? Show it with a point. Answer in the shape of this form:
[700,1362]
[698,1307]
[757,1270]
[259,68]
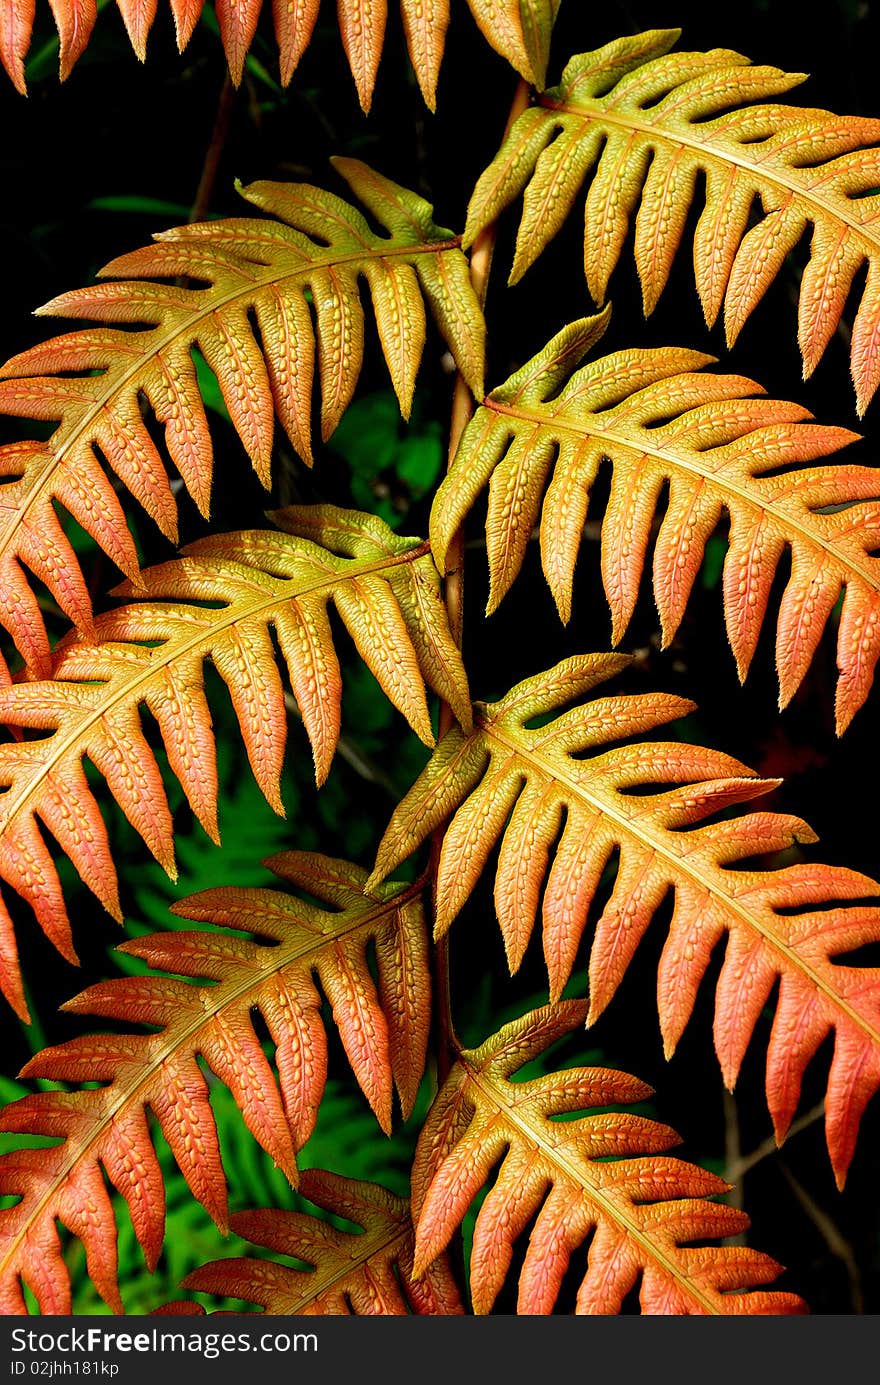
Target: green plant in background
[350,1027]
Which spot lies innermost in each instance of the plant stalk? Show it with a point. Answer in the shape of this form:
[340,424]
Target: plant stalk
[214,153]
[448,1043]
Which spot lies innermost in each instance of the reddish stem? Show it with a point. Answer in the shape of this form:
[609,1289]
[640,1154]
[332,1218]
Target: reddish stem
[219,135]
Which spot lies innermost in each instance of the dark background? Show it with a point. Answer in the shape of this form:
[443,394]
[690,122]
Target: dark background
[120,130]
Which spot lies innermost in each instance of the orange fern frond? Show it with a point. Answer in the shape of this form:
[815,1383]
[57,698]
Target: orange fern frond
[604,1178]
[517,29]
[566,791]
[283,272]
[383,1026]
[368,1273]
[645,126]
[151,654]
[540,438]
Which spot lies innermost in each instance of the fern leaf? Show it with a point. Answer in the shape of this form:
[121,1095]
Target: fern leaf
[603,1177]
[16,24]
[151,653]
[366,1273]
[383,1026]
[425,23]
[644,126]
[520,30]
[91,382]
[509,782]
[539,440]
[517,29]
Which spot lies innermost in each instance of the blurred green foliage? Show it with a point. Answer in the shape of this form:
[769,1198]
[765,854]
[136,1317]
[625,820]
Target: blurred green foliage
[392,464]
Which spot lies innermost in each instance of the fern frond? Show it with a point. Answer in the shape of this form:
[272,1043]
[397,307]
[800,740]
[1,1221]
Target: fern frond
[644,126]
[283,273]
[383,1026]
[366,1273]
[603,1178]
[517,29]
[151,654]
[523,786]
[540,438]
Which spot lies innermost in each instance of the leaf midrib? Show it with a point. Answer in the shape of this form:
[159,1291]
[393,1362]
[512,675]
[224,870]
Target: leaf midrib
[82,427]
[611,1209]
[224,994]
[652,838]
[718,480]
